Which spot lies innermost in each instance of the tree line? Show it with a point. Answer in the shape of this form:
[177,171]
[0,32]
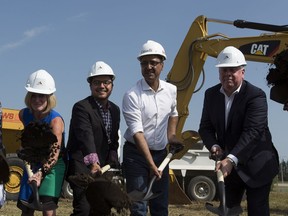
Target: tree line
[283,174]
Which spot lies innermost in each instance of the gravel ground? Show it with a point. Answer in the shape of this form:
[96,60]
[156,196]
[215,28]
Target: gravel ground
[278,205]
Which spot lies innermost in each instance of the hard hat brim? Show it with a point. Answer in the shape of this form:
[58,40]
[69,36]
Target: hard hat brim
[39,91]
[229,65]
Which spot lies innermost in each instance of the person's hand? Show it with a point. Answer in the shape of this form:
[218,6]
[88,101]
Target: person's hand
[37,177]
[94,168]
[225,166]
[154,171]
[175,146]
[216,153]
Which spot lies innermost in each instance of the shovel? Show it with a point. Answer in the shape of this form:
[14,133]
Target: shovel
[104,169]
[141,196]
[36,204]
[82,180]
[223,210]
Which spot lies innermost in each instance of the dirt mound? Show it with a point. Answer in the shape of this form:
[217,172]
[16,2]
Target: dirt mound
[277,77]
[106,197]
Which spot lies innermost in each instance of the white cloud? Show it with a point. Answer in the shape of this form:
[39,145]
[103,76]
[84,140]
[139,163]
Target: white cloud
[35,32]
[28,35]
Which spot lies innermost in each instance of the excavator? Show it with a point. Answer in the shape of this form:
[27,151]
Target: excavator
[188,67]
[11,132]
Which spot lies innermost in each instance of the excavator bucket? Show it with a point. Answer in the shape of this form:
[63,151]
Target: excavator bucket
[176,194]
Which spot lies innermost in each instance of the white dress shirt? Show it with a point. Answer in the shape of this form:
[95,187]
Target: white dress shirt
[148,111]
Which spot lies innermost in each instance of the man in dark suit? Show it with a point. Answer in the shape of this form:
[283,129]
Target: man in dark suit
[93,134]
[234,125]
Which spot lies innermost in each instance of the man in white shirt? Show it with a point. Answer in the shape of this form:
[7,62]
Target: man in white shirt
[150,112]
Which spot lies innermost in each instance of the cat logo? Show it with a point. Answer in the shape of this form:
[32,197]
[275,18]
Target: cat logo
[259,49]
[263,48]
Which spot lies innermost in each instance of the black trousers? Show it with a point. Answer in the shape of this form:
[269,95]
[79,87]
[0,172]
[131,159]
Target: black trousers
[80,204]
[257,198]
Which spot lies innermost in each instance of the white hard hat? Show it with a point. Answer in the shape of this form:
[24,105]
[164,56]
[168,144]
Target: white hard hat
[100,68]
[230,57]
[40,82]
[152,48]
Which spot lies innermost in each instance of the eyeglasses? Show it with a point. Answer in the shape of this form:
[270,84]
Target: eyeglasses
[100,82]
[151,62]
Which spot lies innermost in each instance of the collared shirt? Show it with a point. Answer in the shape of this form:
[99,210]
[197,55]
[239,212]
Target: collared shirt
[228,104]
[107,120]
[148,111]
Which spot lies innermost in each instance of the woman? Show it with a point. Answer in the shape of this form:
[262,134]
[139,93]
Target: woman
[40,101]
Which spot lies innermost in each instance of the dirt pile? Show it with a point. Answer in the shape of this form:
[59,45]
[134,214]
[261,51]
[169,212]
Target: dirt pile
[277,77]
[106,197]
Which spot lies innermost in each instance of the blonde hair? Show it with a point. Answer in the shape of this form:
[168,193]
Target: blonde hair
[51,101]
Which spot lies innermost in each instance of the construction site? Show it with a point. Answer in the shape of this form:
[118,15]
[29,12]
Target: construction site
[192,176]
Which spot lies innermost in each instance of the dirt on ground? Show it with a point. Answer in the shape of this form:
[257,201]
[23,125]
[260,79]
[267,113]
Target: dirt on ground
[278,207]
[65,209]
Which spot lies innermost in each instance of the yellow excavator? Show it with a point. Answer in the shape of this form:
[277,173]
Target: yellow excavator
[185,74]
[11,132]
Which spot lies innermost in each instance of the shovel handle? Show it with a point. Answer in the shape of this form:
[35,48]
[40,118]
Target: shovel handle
[165,162]
[105,168]
[220,176]
[28,169]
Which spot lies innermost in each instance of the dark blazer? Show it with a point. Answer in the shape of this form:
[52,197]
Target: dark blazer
[87,132]
[247,135]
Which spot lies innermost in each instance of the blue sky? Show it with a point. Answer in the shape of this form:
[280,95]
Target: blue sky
[66,37]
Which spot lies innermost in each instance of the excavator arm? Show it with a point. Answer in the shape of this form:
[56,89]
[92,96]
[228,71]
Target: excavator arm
[198,45]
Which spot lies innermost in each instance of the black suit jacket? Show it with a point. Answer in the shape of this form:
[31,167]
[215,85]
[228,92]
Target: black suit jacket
[246,136]
[87,132]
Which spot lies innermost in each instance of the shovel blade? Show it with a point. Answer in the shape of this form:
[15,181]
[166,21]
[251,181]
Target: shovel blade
[136,195]
[151,196]
[36,204]
[40,206]
[224,211]
[213,209]
[140,196]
